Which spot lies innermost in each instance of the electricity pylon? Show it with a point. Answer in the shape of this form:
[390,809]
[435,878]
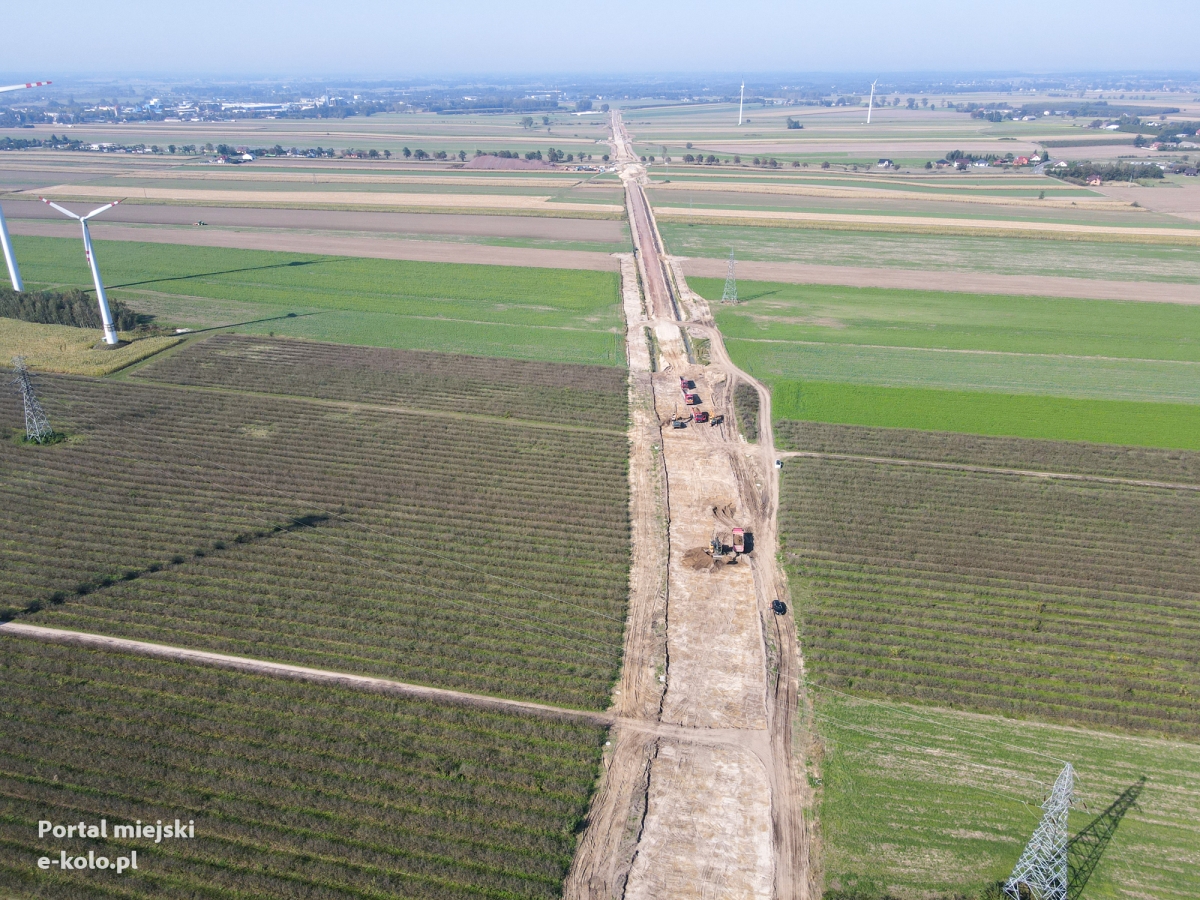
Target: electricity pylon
[37,426]
[1041,873]
[730,293]
[1085,849]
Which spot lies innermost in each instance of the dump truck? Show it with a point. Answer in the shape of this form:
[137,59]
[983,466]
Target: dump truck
[691,399]
[699,416]
[685,384]
[739,540]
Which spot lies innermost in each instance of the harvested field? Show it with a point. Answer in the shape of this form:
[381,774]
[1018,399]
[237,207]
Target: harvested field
[545,392]
[1177,466]
[455,552]
[294,790]
[71,351]
[941,280]
[599,230]
[511,203]
[1068,601]
[344,245]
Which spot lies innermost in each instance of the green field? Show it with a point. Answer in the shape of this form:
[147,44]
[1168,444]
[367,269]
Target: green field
[295,790]
[920,802]
[1061,369]
[1015,415]
[559,315]
[1006,256]
[437,547]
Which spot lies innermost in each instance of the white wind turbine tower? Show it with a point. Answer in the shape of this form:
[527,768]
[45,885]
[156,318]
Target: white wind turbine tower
[741,101]
[110,332]
[14,274]
[871,102]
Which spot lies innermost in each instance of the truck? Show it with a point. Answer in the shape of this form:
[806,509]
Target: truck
[739,540]
[691,399]
[685,384]
[699,416]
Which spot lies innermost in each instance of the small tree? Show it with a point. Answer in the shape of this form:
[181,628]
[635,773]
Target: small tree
[407,153]
[462,155]
[527,122]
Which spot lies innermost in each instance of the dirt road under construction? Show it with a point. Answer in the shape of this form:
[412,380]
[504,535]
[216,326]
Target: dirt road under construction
[679,814]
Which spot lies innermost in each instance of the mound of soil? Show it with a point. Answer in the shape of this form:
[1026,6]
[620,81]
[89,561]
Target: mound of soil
[496,162]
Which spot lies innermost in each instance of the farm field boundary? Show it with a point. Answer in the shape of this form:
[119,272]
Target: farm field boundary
[930,225]
[71,351]
[297,673]
[474,203]
[1166,425]
[339,245]
[956,281]
[294,788]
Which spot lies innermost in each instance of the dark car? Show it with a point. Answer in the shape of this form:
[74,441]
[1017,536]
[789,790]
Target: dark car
[779,607]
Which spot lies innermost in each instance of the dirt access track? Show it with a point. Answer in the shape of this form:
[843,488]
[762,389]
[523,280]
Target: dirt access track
[707,808]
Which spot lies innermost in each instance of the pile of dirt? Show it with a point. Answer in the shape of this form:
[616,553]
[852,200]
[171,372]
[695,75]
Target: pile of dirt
[698,558]
[497,162]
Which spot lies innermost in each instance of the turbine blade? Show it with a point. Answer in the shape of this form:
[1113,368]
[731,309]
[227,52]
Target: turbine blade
[21,87]
[96,212]
[65,212]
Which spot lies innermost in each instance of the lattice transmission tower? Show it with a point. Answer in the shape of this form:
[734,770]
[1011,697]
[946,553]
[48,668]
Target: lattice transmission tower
[730,294]
[1042,873]
[37,426]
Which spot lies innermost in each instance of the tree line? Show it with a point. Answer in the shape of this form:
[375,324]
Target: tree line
[73,307]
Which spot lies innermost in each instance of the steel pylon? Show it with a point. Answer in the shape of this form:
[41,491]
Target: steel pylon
[1042,873]
[730,294]
[37,426]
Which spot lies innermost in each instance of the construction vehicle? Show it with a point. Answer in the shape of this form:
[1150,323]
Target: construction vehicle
[716,420]
[685,384]
[699,416]
[739,540]
[679,423]
[691,399]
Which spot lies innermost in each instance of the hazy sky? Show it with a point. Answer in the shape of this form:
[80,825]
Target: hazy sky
[371,39]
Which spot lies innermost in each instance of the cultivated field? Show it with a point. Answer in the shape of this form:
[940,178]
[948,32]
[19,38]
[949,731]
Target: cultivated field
[61,348]
[294,790]
[1058,368]
[543,392]
[426,547]
[944,254]
[1071,601]
[546,314]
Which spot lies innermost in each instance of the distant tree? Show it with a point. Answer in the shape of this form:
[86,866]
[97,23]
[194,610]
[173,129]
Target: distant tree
[825,165]
[420,154]
[911,103]
[407,153]
[545,120]
[711,159]
[795,163]
[387,154]
[605,157]
[462,155]
[373,154]
[441,154]
[928,164]
[688,158]
[689,145]
[583,105]
[604,107]
[170,148]
[527,122]
[737,159]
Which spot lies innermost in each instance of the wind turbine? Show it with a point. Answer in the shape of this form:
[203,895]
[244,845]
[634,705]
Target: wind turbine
[871,102]
[741,101]
[14,274]
[110,333]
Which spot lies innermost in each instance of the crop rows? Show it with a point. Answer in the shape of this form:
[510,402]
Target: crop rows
[296,790]
[470,554]
[1068,601]
[539,391]
[1176,466]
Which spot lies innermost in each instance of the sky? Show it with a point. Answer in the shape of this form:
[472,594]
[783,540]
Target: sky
[403,39]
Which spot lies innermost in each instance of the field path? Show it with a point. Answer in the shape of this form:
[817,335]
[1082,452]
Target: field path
[681,815]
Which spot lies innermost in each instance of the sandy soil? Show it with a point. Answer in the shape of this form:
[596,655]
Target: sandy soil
[332,198]
[927,223]
[537,228]
[934,280]
[333,245]
[1175,200]
[707,829]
